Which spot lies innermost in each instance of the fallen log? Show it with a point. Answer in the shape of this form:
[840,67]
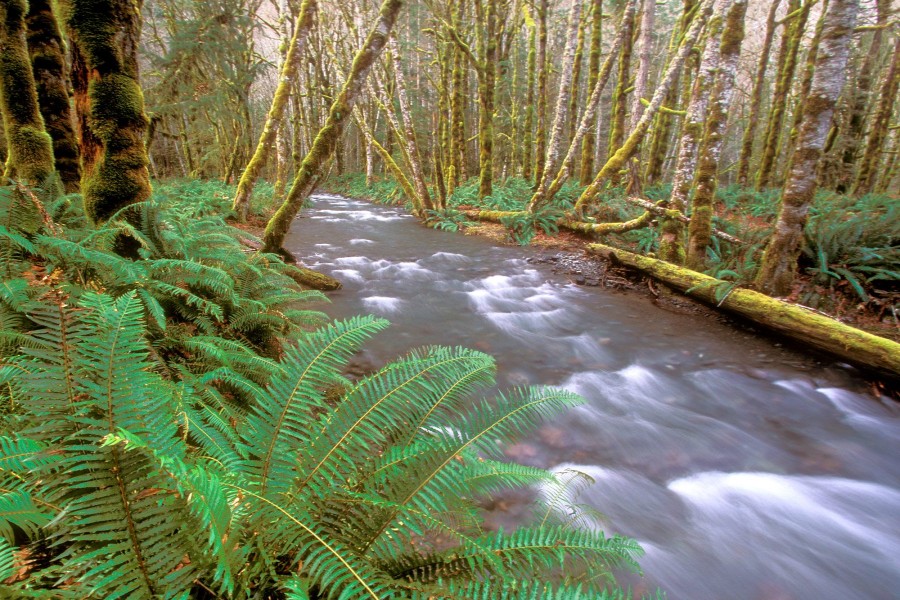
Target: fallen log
[661,210]
[795,322]
[643,220]
[314,279]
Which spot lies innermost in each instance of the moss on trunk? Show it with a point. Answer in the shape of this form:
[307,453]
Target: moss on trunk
[109,103]
[590,139]
[48,63]
[328,137]
[30,150]
[266,143]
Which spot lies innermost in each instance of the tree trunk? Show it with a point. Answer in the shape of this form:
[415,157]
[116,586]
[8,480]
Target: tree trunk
[787,61]
[620,107]
[618,159]
[104,36]
[590,139]
[562,105]
[700,230]
[576,79]
[487,72]
[645,48]
[528,143]
[588,119]
[792,321]
[881,120]
[305,21]
[671,230]
[30,148]
[779,262]
[662,131]
[860,99]
[415,159]
[756,97]
[327,139]
[48,63]
[540,141]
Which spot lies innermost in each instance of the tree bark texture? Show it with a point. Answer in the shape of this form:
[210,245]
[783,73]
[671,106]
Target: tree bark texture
[590,138]
[326,141]
[48,63]
[779,262]
[109,103]
[30,148]
[305,21]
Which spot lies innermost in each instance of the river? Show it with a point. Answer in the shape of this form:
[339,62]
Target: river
[747,471]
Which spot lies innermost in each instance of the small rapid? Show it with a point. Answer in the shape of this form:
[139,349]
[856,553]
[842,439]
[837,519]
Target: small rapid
[746,470]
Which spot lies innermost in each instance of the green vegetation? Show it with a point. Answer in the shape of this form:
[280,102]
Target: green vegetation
[180,425]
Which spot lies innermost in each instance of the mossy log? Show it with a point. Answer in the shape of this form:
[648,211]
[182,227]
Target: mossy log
[795,322]
[314,279]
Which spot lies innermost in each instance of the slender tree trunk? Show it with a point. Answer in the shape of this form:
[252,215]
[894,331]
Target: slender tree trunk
[576,79]
[619,158]
[540,138]
[860,100]
[645,43]
[787,61]
[662,131]
[48,62]
[700,230]
[528,145]
[415,160]
[779,262]
[326,141]
[881,120]
[305,21]
[562,105]
[671,229]
[29,145]
[620,107]
[809,69]
[487,72]
[458,164]
[104,36]
[590,139]
[756,97]
[588,119]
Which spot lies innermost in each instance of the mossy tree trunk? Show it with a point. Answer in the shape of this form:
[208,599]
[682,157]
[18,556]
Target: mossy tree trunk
[860,101]
[409,130]
[878,128]
[528,137]
[540,138]
[326,141]
[305,21]
[620,94]
[809,69]
[671,246]
[104,36]
[458,162]
[645,49]
[590,138]
[756,97]
[662,130]
[623,154]
[700,230]
[551,161]
[576,78]
[787,62]
[779,262]
[487,75]
[48,63]
[588,118]
[30,148]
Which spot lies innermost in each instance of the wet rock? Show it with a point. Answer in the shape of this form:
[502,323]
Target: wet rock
[580,279]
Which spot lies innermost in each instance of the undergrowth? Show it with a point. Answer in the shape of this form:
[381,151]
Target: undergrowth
[178,425]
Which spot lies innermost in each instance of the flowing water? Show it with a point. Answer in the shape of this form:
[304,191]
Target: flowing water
[745,470]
